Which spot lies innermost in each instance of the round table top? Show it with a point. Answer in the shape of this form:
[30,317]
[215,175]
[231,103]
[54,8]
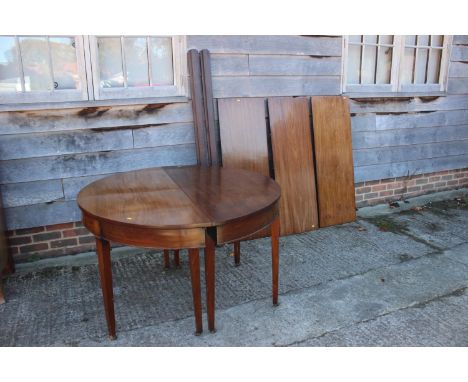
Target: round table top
[178,197]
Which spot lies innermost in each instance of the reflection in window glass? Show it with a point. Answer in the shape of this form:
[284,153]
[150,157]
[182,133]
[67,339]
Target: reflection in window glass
[10,80]
[136,60]
[110,62]
[64,64]
[36,64]
[162,71]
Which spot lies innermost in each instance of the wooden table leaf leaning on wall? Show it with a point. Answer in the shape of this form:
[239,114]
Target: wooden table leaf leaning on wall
[180,207]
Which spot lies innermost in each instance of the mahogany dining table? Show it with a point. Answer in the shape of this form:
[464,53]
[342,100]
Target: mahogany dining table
[185,207]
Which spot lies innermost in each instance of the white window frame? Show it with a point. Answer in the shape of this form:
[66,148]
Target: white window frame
[395,86]
[60,95]
[179,88]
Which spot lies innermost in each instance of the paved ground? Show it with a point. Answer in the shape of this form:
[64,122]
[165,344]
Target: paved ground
[398,279]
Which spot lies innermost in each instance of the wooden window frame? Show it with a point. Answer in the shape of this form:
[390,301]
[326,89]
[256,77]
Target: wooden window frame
[61,95]
[396,87]
[179,88]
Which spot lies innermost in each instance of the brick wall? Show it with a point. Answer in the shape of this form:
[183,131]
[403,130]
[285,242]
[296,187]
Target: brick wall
[393,189]
[71,238]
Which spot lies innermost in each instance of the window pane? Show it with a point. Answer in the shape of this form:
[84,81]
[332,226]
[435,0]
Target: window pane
[408,66]
[384,65]
[110,62]
[36,65]
[354,64]
[423,40]
[355,38]
[370,39]
[64,62]
[437,40]
[161,61]
[9,69]
[386,39]
[420,75]
[368,65]
[136,59]
[410,40]
[433,66]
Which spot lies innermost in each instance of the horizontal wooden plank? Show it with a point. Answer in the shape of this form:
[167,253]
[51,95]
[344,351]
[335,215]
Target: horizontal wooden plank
[74,165]
[277,65]
[414,120]
[47,144]
[385,138]
[261,86]
[408,104]
[296,45]
[457,86]
[459,53]
[38,215]
[458,69]
[392,170]
[20,194]
[460,39]
[363,122]
[93,118]
[409,153]
[72,186]
[164,135]
[229,64]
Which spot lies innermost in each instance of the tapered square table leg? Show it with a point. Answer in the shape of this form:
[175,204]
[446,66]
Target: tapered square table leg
[194,260]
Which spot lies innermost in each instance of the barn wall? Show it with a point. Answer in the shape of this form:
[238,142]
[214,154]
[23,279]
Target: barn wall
[46,156]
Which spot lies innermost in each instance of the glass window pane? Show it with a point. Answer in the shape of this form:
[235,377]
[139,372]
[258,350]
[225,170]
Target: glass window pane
[368,65]
[354,64]
[386,39]
[136,60]
[437,40]
[433,66]
[355,38]
[162,71]
[408,66]
[370,39]
[410,40]
[110,62]
[384,65]
[10,80]
[64,63]
[420,75]
[36,64]
[423,40]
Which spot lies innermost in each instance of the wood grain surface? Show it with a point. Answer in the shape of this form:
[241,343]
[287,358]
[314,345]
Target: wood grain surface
[334,160]
[293,160]
[243,133]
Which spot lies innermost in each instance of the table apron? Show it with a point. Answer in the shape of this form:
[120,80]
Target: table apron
[145,236]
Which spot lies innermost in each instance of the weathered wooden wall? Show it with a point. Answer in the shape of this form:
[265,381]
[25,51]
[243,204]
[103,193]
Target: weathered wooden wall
[46,156]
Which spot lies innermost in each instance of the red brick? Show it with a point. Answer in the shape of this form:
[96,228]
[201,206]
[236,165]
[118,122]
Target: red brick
[13,250]
[359,198]
[386,193]
[34,247]
[463,182]
[452,182]
[357,185]
[75,232]
[446,177]
[27,231]
[440,184]
[18,240]
[86,239]
[459,175]
[413,189]
[58,227]
[363,190]
[371,195]
[63,243]
[434,178]
[379,187]
[422,181]
[427,187]
[392,186]
[399,191]
[372,182]
[47,236]
[78,224]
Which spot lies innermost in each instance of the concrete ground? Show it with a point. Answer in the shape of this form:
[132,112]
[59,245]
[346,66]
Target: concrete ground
[396,277]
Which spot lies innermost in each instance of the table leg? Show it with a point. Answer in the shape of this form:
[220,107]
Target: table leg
[237,253]
[176,258]
[166,258]
[105,272]
[275,232]
[210,280]
[194,260]
[2,295]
